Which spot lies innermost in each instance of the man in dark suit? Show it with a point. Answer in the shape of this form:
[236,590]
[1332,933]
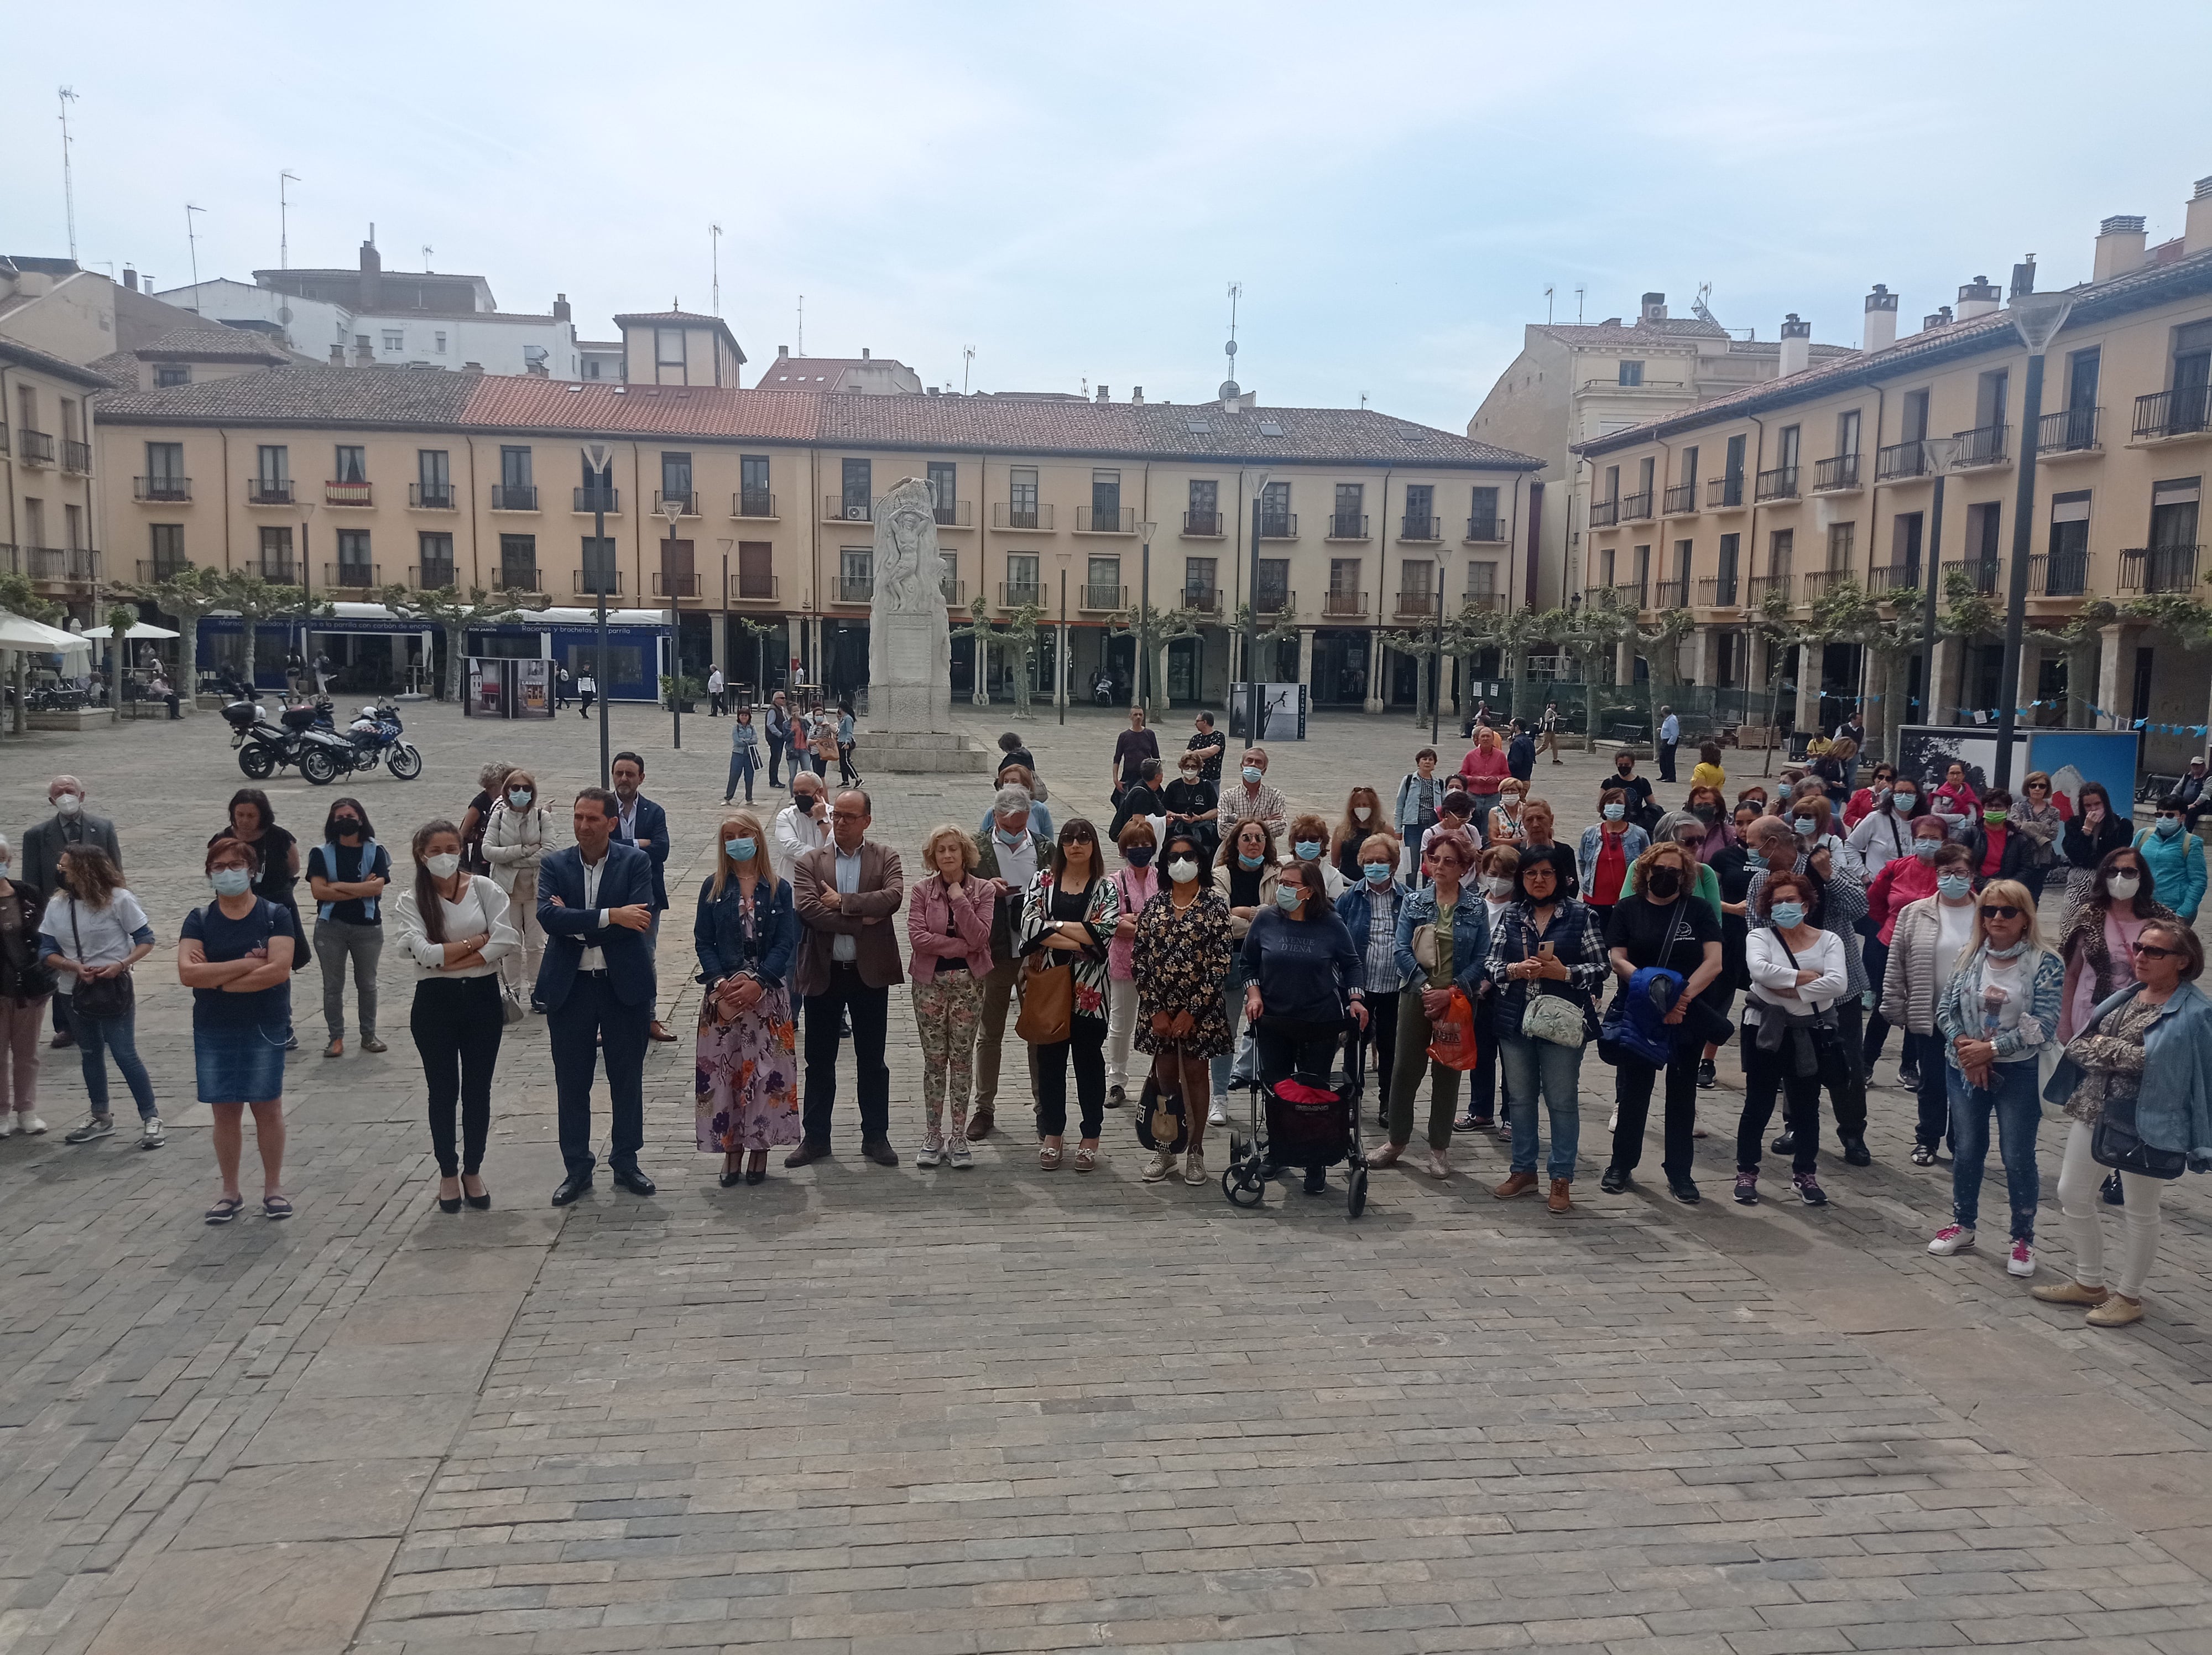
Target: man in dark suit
[847,894]
[645,826]
[595,903]
[43,844]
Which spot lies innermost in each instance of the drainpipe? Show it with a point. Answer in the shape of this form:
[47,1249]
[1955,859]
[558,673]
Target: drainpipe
[476,550]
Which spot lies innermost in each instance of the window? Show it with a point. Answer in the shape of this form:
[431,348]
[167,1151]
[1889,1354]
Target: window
[1611,484]
[1275,512]
[34,521]
[950,579]
[395,339]
[355,569]
[1022,577]
[1416,576]
[272,467]
[1786,446]
[1344,577]
[1682,571]
[1731,556]
[755,568]
[1904,550]
[600,571]
[1847,431]
[73,527]
[1105,500]
[276,554]
[668,349]
[1643,572]
[1273,589]
[1689,474]
[1204,509]
[1990,394]
[1735,452]
[351,465]
[168,373]
[1631,372]
[441,338]
[856,573]
[2066,568]
[676,479]
[1841,536]
[1103,578]
[1420,511]
[518,562]
[167,549]
[944,484]
[1644,469]
[1199,580]
[2174,512]
[1983,523]
[1482,521]
[433,470]
[1781,547]
[1605,564]
[1022,498]
[859,494]
[514,468]
[1915,416]
[754,499]
[1482,581]
[165,469]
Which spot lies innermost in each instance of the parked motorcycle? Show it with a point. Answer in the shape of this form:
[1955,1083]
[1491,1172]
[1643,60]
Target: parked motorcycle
[265,745]
[374,734]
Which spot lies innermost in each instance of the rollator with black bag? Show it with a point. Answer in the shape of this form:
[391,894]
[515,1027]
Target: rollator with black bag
[1300,1116]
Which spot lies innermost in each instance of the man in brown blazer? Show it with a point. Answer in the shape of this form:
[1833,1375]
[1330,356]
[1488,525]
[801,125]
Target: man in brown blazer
[849,958]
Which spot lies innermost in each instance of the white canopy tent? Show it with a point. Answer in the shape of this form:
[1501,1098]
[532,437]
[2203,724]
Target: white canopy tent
[141,629]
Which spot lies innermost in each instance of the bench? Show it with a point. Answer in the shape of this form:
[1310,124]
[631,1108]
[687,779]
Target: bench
[1625,730]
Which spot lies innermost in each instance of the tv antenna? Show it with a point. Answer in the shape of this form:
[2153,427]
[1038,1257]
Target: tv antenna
[426,251]
[191,236]
[967,362]
[802,325]
[714,256]
[1229,391]
[1548,304]
[65,98]
[1578,307]
[284,219]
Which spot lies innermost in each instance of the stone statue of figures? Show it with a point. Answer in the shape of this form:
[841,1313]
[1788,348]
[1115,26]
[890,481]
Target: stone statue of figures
[910,642]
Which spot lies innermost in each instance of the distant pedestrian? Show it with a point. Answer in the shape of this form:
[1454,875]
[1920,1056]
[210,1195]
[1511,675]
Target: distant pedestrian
[1670,736]
[587,688]
[43,845]
[744,756]
[563,686]
[778,732]
[714,691]
[515,841]
[26,981]
[846,774]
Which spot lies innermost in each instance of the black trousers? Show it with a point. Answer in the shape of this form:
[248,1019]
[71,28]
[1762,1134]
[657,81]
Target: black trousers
[775,758]
[1667,760]
[1086,1045]
[871,1012]
[1933,1125]
[1631,1095]
[1764,1072]
[1281,1055]
[1846,1079]
[457,1023]
[1482,1079]
[1381,1044]
[589,1018]
[1877,966]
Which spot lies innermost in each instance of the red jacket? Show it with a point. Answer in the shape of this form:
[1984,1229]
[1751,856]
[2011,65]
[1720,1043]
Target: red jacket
[1484,772]
[1902,879]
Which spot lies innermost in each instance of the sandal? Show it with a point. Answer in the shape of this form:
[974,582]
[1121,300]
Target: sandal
[226,1209]
[275,1206]
[1048,1157]
[1086,1157]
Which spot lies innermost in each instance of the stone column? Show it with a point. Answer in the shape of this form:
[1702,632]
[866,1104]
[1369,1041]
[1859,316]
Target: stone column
[1808,686]
[718,629]
[1376,658]
[1305,659]
[2031,670]
[2115,649]
[1702,653]
[1624,665]
[1942,695]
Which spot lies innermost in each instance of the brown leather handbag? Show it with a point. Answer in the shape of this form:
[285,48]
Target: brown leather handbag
[1048,1004]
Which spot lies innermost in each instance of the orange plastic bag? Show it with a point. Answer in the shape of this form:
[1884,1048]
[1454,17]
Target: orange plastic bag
[1451,1036]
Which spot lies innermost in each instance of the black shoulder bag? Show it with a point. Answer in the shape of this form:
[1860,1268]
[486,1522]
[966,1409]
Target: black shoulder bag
[103,997]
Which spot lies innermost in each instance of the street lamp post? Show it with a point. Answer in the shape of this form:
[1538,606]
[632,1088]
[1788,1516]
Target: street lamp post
[672,508]
[1144,620]
[1252,623]
[2037,317]
[598,462]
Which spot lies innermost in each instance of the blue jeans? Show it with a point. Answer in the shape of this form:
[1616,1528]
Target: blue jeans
[119,1034]
[742,767]
[2018,1105]
[1529,1064]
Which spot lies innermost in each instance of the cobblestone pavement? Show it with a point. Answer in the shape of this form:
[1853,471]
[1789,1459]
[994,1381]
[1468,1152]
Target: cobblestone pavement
[857,1409]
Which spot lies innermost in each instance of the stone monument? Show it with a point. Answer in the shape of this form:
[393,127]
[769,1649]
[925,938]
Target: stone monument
[909,722]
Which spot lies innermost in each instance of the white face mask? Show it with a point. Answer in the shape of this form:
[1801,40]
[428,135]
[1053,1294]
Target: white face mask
[69,804]
[444,867]
[2123,886]
[1499,886]
[1361,812]
[1183,870]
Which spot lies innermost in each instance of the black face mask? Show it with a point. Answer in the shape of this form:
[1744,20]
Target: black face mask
[1139,856]
[1666,882]
[345,827]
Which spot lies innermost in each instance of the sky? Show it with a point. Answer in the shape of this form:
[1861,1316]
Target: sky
[1070,191]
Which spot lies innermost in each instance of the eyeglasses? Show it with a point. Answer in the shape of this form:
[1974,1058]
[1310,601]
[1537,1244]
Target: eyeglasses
[2152,950]
[1998,911]
[849,816]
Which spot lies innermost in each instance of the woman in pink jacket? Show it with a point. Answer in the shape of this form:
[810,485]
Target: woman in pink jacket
[948,925]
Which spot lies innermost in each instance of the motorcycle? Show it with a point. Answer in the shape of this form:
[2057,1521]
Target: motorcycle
[264,746]
[374,734]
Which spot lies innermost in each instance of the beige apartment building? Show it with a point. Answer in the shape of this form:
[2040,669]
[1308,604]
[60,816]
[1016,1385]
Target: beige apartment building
[354,479]
[46,456]
[1832,471]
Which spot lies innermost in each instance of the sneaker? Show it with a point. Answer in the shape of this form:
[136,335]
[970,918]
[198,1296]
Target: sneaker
[153,1136]
[1194,1168]
[95,1126]
[1924,1155]
[962,1157]
[1746,1187]
[2069,1292]
[932,1152]
[1115,1096]
[1708,1075]
[1855,1151]
[1161,1165]
[1951,1238]
[1908,1079]
[2021,1260]
[2116,1313]
[1807,1188]
[28,1125]
[1219,1114]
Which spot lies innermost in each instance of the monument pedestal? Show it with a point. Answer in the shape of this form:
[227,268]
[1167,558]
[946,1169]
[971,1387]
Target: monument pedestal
[904,752]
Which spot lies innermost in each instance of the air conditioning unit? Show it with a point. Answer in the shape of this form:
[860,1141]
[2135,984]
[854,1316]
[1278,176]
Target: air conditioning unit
[856,514]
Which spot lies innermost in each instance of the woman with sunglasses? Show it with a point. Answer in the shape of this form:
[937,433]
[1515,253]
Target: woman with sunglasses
[1999,1007]
[2146,1050]
[1875,793]
[2094,830]
[1068,918]
[2037,822]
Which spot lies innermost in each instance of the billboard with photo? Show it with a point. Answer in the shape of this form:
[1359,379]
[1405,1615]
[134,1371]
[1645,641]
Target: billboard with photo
[1282,711]
[2069,757]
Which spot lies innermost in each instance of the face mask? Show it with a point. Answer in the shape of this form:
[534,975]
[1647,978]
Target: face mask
[1904,801]
[1361,812]
[236,881]
[1183,870]
[1288,896]
[2123,886]
[1805,826]
[1252,773]
[1754,859]
[345,827]
[1248,863]
[1926,848]
[741,851]
[1625,772]
[520,797]
[1499,886]
[1614,812]
[2168,826]
[1007,838]
[1704,814]
[1786,916]
[1954,887]
[1666,883]
[69,804]
[1377,872]
[1139,856]
[1995,817]
[1881,796]
[1190,775]
[1309,850]
[2013,953]
[3,867]
[445,866]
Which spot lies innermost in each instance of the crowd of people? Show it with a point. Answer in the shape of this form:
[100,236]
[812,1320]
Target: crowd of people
[1229,938]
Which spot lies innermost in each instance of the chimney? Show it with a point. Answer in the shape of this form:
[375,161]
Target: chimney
[471,367]
[338,356]
[2023,277]
[536,367]
[864,353]
[1137,396]
[2197,229]
[363,356]
[782,352]
[1796,345]
[371,273]
[2120,243]
[1935,319]
[1103,397]
[1881,330]
[130,278]
[560,312]
[1978,298]
[1654,308]
[929,390]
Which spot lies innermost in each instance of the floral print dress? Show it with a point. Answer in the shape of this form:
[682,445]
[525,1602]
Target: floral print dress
[1181,960]
[747,1070]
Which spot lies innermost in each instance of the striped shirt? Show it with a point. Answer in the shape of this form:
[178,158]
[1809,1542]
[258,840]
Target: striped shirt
[1380,950]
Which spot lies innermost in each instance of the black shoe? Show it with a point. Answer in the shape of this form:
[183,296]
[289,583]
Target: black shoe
[2110,1190]
[453,1206]
[1856,1153]
[758,1175]
[730,1180]
[1684,1191]
[1615,1181]
[1317,1180]
[480,1203]
[1908,1079]
[1708,1077]
[879,1151]
[571,1187]
[806,1153]
[1784,1145]
[631,1179]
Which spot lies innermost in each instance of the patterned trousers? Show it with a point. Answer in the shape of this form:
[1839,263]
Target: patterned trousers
[946,1010]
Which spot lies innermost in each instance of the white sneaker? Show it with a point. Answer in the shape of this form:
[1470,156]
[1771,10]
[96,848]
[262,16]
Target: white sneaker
[932,1152]
[1162,1165]
[1219,1114]
[154,1136]
[1951,1238]
[960,1155]
[2022,1260]
[1194,1167]
[29,1124]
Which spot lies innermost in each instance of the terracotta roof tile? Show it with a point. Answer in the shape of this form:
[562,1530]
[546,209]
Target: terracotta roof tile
[407,396]
[594,407]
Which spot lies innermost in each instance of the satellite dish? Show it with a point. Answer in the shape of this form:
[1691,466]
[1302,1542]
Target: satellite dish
[1230,390]
[284,313]
[1231,347]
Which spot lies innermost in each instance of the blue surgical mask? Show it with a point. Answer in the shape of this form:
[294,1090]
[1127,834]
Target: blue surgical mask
[2168,826]
[1805,826]
[1754,859]
[1926,848]
[1376,873]
[1007,838]
[1309,849]
[1614,812]
[1954,887]
[1788,916]
[231,881]
[518,797]
[1288,896]
[1252,773]
[1904,801]
[1248,863]
[741,851]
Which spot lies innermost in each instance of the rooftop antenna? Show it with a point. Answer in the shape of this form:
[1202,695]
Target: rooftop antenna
[1548,304]
[426,251]
[65,98]
[1362,399]
[714,255]
[802,325]
[284,219]
[192,235]
[967,362]
[1578,307]
[1236,292]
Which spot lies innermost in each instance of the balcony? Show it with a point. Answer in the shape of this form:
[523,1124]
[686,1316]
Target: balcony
[268,492]
[1983,574]
[1724,493]
[757,503]
[687,505]
[836,508]
[34,447]
[1279,526]
[1819,582]
[1778,484]
[1630,595]
[1718,592]
[1202,600]
[589,580]
[161,488]
[1420,529]
[1680,500]
[351,577]
[278,571]
[1346,525]
[516,577]
[2068,432]
[675,583]
[1202,525]
[1273,600]
[1838,475]
[1486,531]
[1487,600]
[1032,517]
[2060,575]
[76,456]
[592,500]
[162,568]
[1885,578]
[60,565]
[1420,606]
[1979,449]
[1900,461]
[2162,417]
[1670,595]
[360,494]
[3,437]
[436,576]
[1604,514]
[954,590]
[1343,606]
[1102,599]
[756,589]
[1760,588]
[853,589]
[1020,595]
[1635,507]
[422,496]
[1115,520]
[514,496]
[958,514]
[2159,569]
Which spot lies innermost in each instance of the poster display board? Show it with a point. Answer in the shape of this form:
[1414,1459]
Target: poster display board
[1282,711]
[508,687]
[2069,757]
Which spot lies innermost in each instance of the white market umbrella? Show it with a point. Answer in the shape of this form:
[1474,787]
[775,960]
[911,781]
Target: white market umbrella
[139,630]
[37,638]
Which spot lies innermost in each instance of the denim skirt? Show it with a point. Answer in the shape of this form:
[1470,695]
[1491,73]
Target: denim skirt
[240,1063]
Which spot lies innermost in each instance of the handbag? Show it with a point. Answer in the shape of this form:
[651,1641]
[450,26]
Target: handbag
[1048,1005]
[1551,1017]
[1451,1041]
[1424,947]
[102,997]
[1163,1124]
[2117,1144]
[511,1008]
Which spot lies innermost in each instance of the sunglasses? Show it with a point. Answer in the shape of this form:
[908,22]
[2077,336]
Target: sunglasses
[1998,911]
[2152,950]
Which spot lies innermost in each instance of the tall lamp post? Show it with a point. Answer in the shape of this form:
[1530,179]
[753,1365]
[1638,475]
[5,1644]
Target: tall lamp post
[1252,623]
[672,508]
[1143,621]
[599,569]
[2037,317]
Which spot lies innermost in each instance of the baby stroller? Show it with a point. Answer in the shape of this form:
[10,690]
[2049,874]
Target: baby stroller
[1308,1122]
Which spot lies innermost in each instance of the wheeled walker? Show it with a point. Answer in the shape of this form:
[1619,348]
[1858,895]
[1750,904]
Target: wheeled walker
[1302,1120]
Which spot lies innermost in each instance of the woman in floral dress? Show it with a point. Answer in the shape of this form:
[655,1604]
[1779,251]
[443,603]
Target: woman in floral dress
[747,1066]
[1068,914]
[1181,954]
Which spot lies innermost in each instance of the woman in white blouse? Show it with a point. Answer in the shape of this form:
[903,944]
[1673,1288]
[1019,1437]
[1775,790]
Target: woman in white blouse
[455,927]
[517,835]
[1798,973]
